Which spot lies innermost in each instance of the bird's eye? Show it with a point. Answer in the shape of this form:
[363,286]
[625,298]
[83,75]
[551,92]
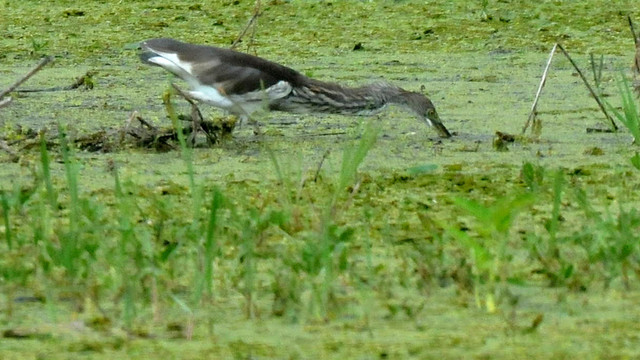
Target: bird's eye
[431,113]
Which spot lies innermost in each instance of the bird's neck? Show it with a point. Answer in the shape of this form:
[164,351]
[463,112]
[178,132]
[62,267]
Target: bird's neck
[343,99]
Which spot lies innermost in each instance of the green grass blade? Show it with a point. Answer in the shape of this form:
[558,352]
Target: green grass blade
[558,186]
[46,171]
[126,238]
[353,156]
[635,161]
[5,216]
[210,247]
[72,179]
[187,152]
[629,116]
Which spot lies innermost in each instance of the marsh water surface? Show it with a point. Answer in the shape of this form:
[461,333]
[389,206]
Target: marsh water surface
[400,277]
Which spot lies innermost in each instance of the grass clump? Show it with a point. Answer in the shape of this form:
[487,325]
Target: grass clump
[629,116]
[488,250]
[308,252]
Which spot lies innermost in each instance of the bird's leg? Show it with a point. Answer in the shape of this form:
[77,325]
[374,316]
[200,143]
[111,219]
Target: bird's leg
[198,124]
[252,121]
[196,118]
[245,116]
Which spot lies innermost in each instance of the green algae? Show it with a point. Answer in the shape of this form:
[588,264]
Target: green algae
[99,30]
[407,290]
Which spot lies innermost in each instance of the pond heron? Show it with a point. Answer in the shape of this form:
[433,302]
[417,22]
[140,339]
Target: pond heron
[241,84]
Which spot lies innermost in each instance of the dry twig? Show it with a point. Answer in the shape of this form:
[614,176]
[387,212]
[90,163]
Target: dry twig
[636,39]
[85,80]
[252,24]
[593,94]
[5,102]
[543,80]
[636,58]
[324,156]
[12,154]
[26,77]
[196,118]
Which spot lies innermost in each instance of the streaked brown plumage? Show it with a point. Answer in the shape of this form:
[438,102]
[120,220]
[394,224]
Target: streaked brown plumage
[241,83]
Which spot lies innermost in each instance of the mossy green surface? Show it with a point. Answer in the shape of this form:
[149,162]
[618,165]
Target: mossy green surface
[406,291]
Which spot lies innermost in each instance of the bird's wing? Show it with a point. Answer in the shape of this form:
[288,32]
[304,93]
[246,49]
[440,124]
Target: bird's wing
[228,71]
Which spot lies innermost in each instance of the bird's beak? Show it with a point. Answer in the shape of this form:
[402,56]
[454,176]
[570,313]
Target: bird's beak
[439,126]
[441,129]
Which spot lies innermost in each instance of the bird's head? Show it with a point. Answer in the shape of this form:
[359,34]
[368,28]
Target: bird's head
[426,111]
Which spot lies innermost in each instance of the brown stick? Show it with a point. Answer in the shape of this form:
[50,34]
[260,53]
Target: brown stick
[196,118]
[593,94]
[37,68]
[124,130]
[145,123]
[543,80]
[82,80]
[5,102]
[324,156]
[4,146]
[633,31]
[636,59]
[251,23]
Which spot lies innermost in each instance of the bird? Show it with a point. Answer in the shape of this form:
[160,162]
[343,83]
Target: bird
[242,84]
